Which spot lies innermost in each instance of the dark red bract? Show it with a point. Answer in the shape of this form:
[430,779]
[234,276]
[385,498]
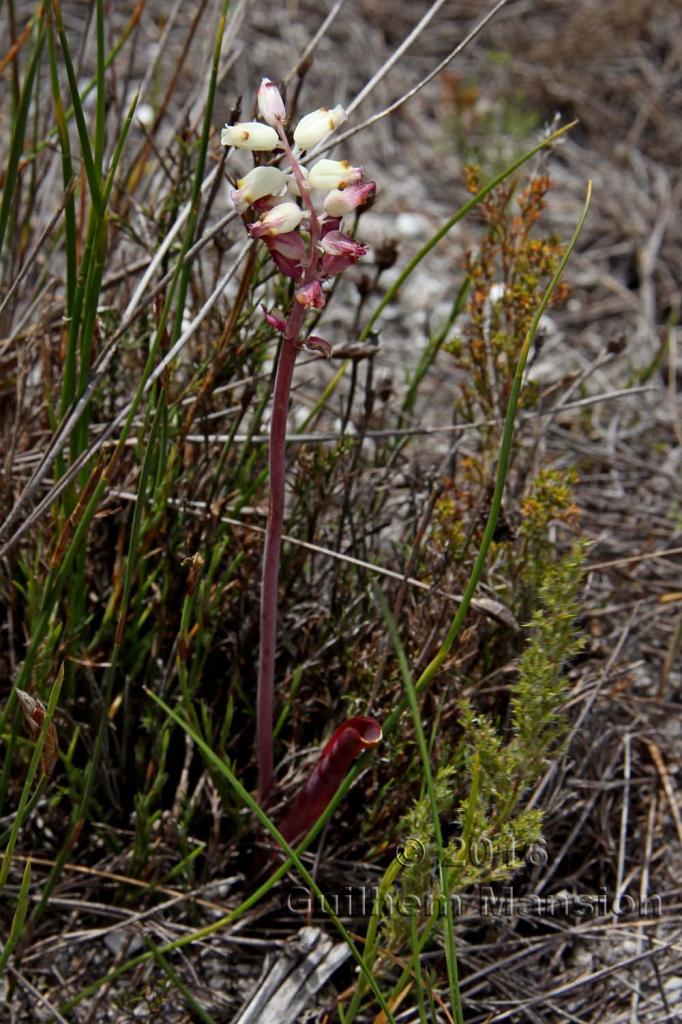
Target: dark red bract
[349,740]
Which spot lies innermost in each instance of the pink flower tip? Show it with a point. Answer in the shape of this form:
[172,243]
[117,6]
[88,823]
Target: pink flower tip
[277,322]
[342,201]
[335,243]
[271,104]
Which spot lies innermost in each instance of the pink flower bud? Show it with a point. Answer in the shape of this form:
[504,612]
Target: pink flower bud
[317,125]
[277,322]
[340,252]
[311,296]
[337,244]
[316,344]
[280,219]
[329,174]
[340,202]
[270,103]
[249,135]
[260,182]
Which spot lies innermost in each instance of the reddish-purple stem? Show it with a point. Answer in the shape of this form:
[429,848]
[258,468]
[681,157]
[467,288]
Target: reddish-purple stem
[273,544]
[277,478]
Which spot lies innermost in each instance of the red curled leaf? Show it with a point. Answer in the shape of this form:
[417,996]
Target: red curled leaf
[349,740]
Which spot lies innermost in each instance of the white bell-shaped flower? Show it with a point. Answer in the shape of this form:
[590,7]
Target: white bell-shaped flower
[249,135]
[282,218]
[261,181]
[328,174]
[317,125]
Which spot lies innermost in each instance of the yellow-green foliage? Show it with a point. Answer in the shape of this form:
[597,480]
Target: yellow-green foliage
[549,499]
[496,762]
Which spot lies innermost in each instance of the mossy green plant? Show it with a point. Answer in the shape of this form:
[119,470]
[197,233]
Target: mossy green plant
[491,768]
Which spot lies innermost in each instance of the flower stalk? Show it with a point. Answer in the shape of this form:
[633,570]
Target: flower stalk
[309,261]
[273,547]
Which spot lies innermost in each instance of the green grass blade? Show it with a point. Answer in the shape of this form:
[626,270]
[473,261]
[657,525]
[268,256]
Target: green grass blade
[90,295]
[18,134]
[91,171]
[18,919]
[101,86]
[70,241]
[24,799]
[178,983]
[450,947]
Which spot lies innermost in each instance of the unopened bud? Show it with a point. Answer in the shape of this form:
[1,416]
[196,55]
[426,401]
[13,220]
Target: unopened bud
[270,103]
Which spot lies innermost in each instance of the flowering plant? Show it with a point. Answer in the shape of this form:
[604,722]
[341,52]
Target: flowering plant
[288,202]
[299,216]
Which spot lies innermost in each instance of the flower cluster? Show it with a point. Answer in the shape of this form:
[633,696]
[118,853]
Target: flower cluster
[289,202]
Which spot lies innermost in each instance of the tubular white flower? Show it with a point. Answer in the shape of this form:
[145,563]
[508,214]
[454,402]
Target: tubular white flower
[339,202]
[328,174]
[315,126]
[282,218]
[261,181]
[249,135]
[271,104]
